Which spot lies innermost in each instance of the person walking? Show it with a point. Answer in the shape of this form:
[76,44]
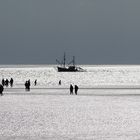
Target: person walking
[27,85]
[7,82]
[35,83]
[71,89]
[59,82]
[76,89]
[3,82]
[1,89]
[11,82]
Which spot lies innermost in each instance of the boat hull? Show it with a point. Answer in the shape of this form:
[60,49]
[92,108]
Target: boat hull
[69,69]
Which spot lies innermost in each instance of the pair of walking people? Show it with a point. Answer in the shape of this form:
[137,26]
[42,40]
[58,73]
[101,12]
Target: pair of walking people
[75,89]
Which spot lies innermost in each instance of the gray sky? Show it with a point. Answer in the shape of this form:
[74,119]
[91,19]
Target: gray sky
[95,31]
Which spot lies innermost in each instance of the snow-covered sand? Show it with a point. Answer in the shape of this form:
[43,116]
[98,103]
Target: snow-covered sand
[56,115]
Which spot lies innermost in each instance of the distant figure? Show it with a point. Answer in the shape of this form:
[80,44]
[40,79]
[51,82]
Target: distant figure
[71,89]
[1,89]
[76,89]
[59,82]
[27,85]
[35,82]
[7,82]
[11,82]
[3,82]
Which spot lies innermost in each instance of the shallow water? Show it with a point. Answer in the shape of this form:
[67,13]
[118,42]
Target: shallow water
[95,76]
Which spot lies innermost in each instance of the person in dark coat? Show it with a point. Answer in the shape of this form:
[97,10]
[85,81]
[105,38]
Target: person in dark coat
[11,82]
[1,89]
[35,83]
[3,82]
[27,85]
[76,89]
[6,82]
[59,82]
[71,89]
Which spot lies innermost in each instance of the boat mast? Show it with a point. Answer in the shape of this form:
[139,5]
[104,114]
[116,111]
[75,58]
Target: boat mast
[64,59]
[73,60]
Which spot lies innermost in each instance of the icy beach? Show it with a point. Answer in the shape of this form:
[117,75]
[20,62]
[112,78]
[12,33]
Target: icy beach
[107,106]
[64,116]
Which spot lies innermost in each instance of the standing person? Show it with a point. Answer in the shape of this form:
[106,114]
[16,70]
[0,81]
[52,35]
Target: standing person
[59,82]
[28,85]
[76,89]
[11,82]
[7,82]
[35,83]
[3,82]
[1,89]
[71,89]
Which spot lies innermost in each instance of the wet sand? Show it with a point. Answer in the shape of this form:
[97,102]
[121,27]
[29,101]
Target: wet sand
[54,114]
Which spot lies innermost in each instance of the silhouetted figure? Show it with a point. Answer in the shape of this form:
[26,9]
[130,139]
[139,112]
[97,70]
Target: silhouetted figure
[76,89]
[35,82]
[27,85]
[1,89]
[59,82]
[71,89]
[11,82]
[7,82]
[3,82]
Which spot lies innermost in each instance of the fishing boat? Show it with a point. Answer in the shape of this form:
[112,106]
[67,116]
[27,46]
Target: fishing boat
[71,67]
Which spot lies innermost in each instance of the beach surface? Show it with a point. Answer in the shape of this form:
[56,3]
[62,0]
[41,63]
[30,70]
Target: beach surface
[99,114]
[107,106]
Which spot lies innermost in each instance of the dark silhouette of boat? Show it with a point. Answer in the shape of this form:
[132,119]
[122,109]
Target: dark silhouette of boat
[71,67]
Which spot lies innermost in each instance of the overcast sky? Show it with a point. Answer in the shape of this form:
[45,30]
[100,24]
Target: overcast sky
[95,31]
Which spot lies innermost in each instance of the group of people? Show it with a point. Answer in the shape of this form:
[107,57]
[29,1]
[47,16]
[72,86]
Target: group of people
[72,88]
[75,88]
[6,82]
